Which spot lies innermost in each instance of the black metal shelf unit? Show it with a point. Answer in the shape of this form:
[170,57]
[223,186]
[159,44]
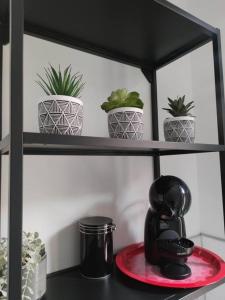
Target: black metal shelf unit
[148,35]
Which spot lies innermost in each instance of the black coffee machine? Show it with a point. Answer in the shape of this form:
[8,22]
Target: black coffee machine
[165,235]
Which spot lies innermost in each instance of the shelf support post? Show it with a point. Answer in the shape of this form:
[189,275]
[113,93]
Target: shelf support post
[220,105]
[151,76]
[4,33]
[16,149]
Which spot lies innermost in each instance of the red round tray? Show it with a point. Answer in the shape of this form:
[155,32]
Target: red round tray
[207,268]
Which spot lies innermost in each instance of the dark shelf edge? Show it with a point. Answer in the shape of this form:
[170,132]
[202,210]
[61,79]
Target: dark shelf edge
[195,294]
[207,27]
[68,41]
[182,52]
[49,144]
[176,294]
[61,142]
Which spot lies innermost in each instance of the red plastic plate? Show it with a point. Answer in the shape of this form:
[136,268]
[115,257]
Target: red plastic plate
[207,268]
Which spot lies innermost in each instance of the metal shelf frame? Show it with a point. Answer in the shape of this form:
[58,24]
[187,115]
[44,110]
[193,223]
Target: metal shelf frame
[44,144]
[18,143]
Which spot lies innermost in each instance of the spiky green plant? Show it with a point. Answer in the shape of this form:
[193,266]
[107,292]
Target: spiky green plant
[177,108]
[61,83]
[121,98]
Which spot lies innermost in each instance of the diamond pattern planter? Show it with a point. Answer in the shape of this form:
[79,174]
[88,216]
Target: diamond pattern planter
[126,123]
[179,129]
[60,115]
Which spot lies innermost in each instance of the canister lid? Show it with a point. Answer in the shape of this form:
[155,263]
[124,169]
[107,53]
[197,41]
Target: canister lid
[96,225]
[96,221]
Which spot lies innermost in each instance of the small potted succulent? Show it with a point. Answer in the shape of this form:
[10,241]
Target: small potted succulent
[61,110]
[125,115]
[181,127]
[34,267]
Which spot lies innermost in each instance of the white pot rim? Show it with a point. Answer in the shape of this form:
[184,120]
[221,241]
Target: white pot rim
[123,109]
[180,118]
[61,97]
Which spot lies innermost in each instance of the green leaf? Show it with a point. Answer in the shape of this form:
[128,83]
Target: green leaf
[53,80]
[60,80]
[169,110]
[190,108]
[120,94]
[133,94]
[178,108]
[189,104]
[65,76]
[51,84]
[121,98]
[43,87]
[61,83]
[183,99]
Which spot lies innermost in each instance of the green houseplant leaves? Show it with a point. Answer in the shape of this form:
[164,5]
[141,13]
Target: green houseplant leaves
[61,83]
[33,251]
[121,98]
[177,108]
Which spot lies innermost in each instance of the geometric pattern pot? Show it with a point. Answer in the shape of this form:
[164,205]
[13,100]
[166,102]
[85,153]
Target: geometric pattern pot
[126,123]
[60,115]
[179,129]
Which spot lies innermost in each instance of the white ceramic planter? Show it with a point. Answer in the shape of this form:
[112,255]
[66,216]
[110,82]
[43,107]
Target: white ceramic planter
[38,281]
[58,114]
[179,129]
[126,123]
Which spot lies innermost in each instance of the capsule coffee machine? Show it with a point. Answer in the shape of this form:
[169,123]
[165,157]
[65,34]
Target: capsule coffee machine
[165,235]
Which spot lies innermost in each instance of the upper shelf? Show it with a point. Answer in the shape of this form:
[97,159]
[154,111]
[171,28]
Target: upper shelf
[45,144]
[146,34]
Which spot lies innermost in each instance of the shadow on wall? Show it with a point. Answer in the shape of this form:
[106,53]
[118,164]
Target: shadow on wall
[124,203]
[60,243]
[116,187]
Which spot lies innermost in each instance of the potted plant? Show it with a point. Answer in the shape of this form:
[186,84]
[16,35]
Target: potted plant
[34,267]
[125,115]
[181,127]
[61,110]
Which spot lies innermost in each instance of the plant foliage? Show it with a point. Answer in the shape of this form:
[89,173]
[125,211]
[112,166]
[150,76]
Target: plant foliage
[177,108]
[61,83]
[32,253]
[121,98]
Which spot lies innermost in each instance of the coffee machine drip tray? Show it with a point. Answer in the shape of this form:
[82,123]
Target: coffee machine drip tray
[206,267]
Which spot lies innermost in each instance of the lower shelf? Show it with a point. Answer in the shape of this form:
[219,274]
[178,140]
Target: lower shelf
[70,285]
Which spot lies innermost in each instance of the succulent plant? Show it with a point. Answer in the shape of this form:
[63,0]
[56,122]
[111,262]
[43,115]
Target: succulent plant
[121,98]
[61,83]
[33,251]
[177,108]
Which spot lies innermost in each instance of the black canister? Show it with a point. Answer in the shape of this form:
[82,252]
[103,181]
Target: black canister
[96,246]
